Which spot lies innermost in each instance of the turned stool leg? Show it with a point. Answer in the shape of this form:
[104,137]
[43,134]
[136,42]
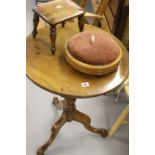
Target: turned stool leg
[53,38]
[35,24]
[85,120]
[63,24]
[81,22]
[54,133]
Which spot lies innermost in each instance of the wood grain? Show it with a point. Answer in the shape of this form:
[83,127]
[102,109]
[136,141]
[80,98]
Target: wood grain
[54,74]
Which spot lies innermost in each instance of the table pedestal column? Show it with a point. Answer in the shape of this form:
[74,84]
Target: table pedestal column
[69,114]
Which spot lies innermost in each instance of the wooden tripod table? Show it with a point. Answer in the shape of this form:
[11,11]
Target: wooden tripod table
[54,74]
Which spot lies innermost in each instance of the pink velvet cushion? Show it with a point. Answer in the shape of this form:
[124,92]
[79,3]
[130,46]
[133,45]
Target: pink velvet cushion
[93,48]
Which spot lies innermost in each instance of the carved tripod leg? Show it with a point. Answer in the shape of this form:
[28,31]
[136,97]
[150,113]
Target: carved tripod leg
[57,126]
[81,22]
[35,24]
[85,120]
[53,38]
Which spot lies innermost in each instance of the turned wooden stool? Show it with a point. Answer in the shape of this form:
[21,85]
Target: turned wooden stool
[54,74]
[56,12]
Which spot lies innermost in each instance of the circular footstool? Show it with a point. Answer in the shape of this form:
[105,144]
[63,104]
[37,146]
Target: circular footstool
[93,53]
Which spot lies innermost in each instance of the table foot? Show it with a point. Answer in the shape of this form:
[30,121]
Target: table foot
[85,120]
[81,22]
[53,38]
[35,24]
[40,152]
[55,129]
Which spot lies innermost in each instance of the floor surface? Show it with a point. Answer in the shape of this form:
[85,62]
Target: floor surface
[73,139]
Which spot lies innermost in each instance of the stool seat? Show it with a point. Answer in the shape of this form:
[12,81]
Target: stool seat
[93,48]
[55,12]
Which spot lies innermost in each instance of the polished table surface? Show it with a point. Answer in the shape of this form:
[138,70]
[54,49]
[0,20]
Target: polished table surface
[54,74]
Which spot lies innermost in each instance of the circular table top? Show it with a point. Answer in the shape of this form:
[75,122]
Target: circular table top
[54,74]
